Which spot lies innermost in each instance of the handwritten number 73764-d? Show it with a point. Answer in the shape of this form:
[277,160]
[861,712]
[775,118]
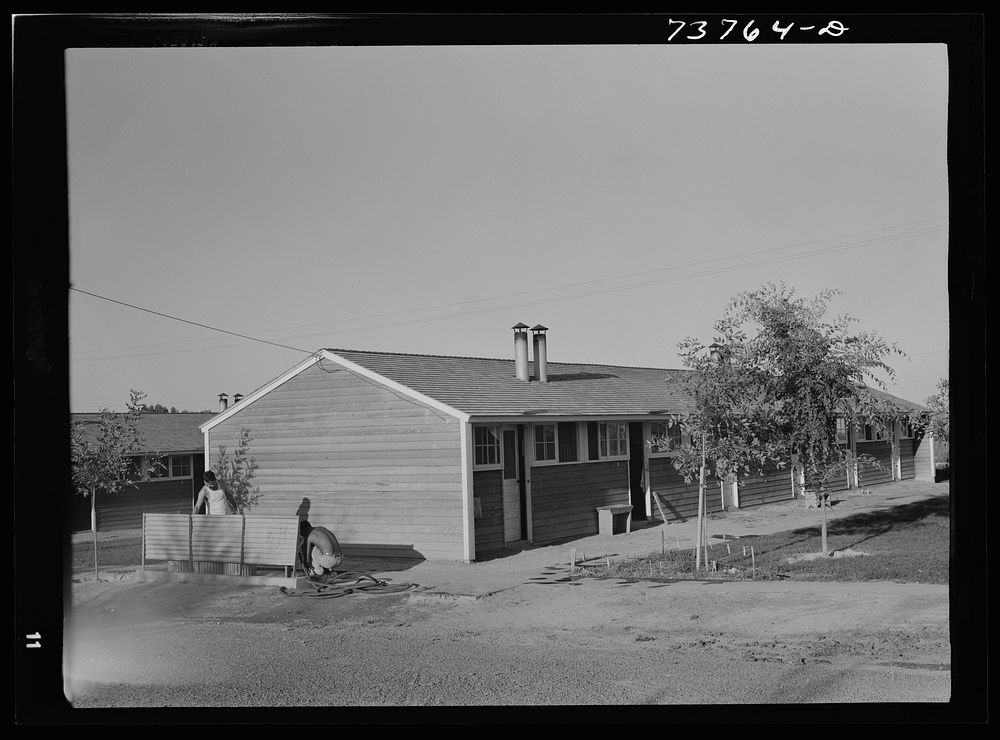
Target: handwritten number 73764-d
[698,30]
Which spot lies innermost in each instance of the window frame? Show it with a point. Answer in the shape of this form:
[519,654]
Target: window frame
[499,447]
[554,442]
[871,433]
[557,442]
[670,451]
[167,461]
[842,421]
[623,454]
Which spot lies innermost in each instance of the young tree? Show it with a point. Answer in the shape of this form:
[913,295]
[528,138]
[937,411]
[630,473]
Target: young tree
[939,417]
[938,422]
[102,455]
[730,429]
[782,376]
[236,473]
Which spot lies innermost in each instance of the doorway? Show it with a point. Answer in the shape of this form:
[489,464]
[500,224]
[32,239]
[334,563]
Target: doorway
[513,515]
[637,470]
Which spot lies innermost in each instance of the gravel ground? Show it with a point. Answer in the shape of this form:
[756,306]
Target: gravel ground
[563,643]
[533,638]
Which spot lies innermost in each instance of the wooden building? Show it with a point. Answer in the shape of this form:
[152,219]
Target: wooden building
[457,457]
[176,440]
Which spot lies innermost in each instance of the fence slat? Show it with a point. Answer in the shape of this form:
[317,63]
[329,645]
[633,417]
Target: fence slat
[231,539]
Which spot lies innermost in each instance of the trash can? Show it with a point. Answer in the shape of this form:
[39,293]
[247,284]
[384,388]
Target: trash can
[615,519]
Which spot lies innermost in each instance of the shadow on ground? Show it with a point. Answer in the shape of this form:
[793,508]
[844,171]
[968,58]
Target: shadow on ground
[870,524]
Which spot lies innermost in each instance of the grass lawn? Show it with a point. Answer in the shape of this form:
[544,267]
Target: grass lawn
[907,544]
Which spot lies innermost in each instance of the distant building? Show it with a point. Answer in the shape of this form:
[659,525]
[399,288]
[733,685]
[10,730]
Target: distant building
[456,457]
[178,443]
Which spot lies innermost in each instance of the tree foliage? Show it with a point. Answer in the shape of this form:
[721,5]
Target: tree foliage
[779,375]
[103,460]
[236,473]
[938,422]
[103,457]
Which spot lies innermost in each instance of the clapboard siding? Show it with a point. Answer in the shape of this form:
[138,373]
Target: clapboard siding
[906,464]
[373,466]
[564,498]
[922,464]
[679,499]
[773,485]
[870,475]
[488,488]
[124,510]
[841,483]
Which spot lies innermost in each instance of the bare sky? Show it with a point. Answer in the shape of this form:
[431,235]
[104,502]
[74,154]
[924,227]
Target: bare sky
[425,199]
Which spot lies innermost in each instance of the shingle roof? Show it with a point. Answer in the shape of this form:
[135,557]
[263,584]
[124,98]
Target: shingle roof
[487,387]
[901,403]
[162,432]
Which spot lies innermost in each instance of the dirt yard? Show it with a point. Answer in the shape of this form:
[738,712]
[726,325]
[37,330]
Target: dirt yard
[555,642]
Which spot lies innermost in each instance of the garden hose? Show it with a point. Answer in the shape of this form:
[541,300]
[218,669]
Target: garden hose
[342,583]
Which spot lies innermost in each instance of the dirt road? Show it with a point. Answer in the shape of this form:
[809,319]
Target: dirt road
[555,642]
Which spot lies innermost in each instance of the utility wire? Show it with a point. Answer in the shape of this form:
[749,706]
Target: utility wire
[624,276]
[646,283]
[193,323]
[548,299]
[356,319]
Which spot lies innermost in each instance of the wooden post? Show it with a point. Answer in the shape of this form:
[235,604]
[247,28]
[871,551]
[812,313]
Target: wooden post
[190,541]
[704,531]
[142,555]
[822,503]
[93,527]
[701,507]
[656,498]
[572,560]
[243,539]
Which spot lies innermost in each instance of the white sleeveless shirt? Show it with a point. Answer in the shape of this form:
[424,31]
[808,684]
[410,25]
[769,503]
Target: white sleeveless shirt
[217,502]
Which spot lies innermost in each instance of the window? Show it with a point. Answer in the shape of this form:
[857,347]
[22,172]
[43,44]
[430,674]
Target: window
[664,437]
[135,466]
[169,466]
[593,447]
[486,444]
[905,429]
[872,433]
[180,466]
[612,439]
[567,442]
[841,430]
[545,442]
[556,442]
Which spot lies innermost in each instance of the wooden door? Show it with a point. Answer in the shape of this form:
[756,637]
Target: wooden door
[512,530]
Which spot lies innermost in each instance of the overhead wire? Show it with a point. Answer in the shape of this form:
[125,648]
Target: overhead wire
[543,300]
[355,319]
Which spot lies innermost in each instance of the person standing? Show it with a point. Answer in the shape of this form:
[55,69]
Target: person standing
[218,501]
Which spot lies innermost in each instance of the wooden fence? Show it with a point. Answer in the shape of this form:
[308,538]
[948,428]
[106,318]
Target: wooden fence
[233,545]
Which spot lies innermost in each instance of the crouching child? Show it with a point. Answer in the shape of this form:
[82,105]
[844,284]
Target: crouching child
[320,551]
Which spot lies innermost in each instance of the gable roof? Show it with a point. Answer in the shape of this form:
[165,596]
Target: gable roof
[487,388]
[900,403]
[480,386]
[160,432]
